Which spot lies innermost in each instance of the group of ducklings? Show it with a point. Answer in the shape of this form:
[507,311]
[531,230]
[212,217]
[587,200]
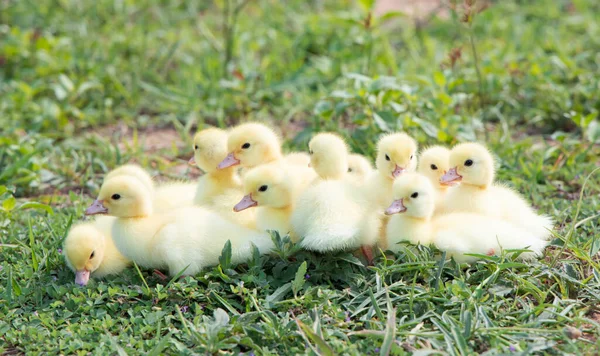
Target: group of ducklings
[326,200]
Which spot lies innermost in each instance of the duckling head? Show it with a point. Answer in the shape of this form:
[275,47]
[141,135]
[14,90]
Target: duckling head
[328,155]
[413,196]
[84,250]
[470,163]
[266,185]
[434,162]
[359,165]
[250,145]
[132,170]
[124,197]
[396,154]
[210,148]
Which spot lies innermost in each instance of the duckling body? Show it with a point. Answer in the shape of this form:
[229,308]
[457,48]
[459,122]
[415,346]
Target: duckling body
[456,233]
[297,158]
[90,251]
[332,214]
[191,237]
[473,168]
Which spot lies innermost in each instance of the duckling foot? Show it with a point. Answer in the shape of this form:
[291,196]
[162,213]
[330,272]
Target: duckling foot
[491,252]
[368,252]
[160,275]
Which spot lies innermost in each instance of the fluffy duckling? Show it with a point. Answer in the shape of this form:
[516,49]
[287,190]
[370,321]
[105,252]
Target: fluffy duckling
[434,162]
[396,154]
[250,145]
[472,165]
[328,156]
[90,250]
[297,158]
[332,214]
[218,189]
[359,167]
[210,148]
[132,170]
[189,238]
[273,191]
[166,196]
[455,233]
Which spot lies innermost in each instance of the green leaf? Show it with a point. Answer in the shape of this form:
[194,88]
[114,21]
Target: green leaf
[34,260]
[225,258]
[380,122]
[36,206]
[595,247]
[299,280]
[3,189]
[9,204]
[279,293]
[593,132]
[390,329]
[307,332]
[367,5]
[439,78]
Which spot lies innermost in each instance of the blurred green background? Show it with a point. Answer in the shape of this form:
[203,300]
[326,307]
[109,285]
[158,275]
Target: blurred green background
[88,85]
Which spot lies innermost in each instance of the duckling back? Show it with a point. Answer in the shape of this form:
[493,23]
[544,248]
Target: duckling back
[460,233]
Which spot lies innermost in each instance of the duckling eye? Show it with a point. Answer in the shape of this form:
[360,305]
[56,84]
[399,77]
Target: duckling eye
[115,197]
[434,167]
[469,162]
[349,169]
[93,254]
[414,195]
[246,145]
[411,156]
[310,152]
[387,158]
[195,147]
[263,188]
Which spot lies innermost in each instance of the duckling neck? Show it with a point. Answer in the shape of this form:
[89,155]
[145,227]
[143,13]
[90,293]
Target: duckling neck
[269,218]
[223,175]
[134,238]
[417,230]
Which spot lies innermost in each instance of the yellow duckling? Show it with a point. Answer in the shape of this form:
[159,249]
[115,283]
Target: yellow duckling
[90,250]
[396,154]
[218,189]
[332,214]
[472,165]
[250,145]
[166,196]
[210,148]
[132,170]
[359,167]
[273,191]
[297,158]
[189,238]
[456,233]
[434,162]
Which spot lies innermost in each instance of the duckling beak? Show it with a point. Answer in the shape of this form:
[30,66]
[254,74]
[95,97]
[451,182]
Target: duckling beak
[82,277]
[97,207]
[229,161]
[396,207]
[245,203]
[451,177]
[397,171]
[192,161]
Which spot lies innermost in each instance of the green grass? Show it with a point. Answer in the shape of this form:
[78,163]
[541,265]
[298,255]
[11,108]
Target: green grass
[70,68]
